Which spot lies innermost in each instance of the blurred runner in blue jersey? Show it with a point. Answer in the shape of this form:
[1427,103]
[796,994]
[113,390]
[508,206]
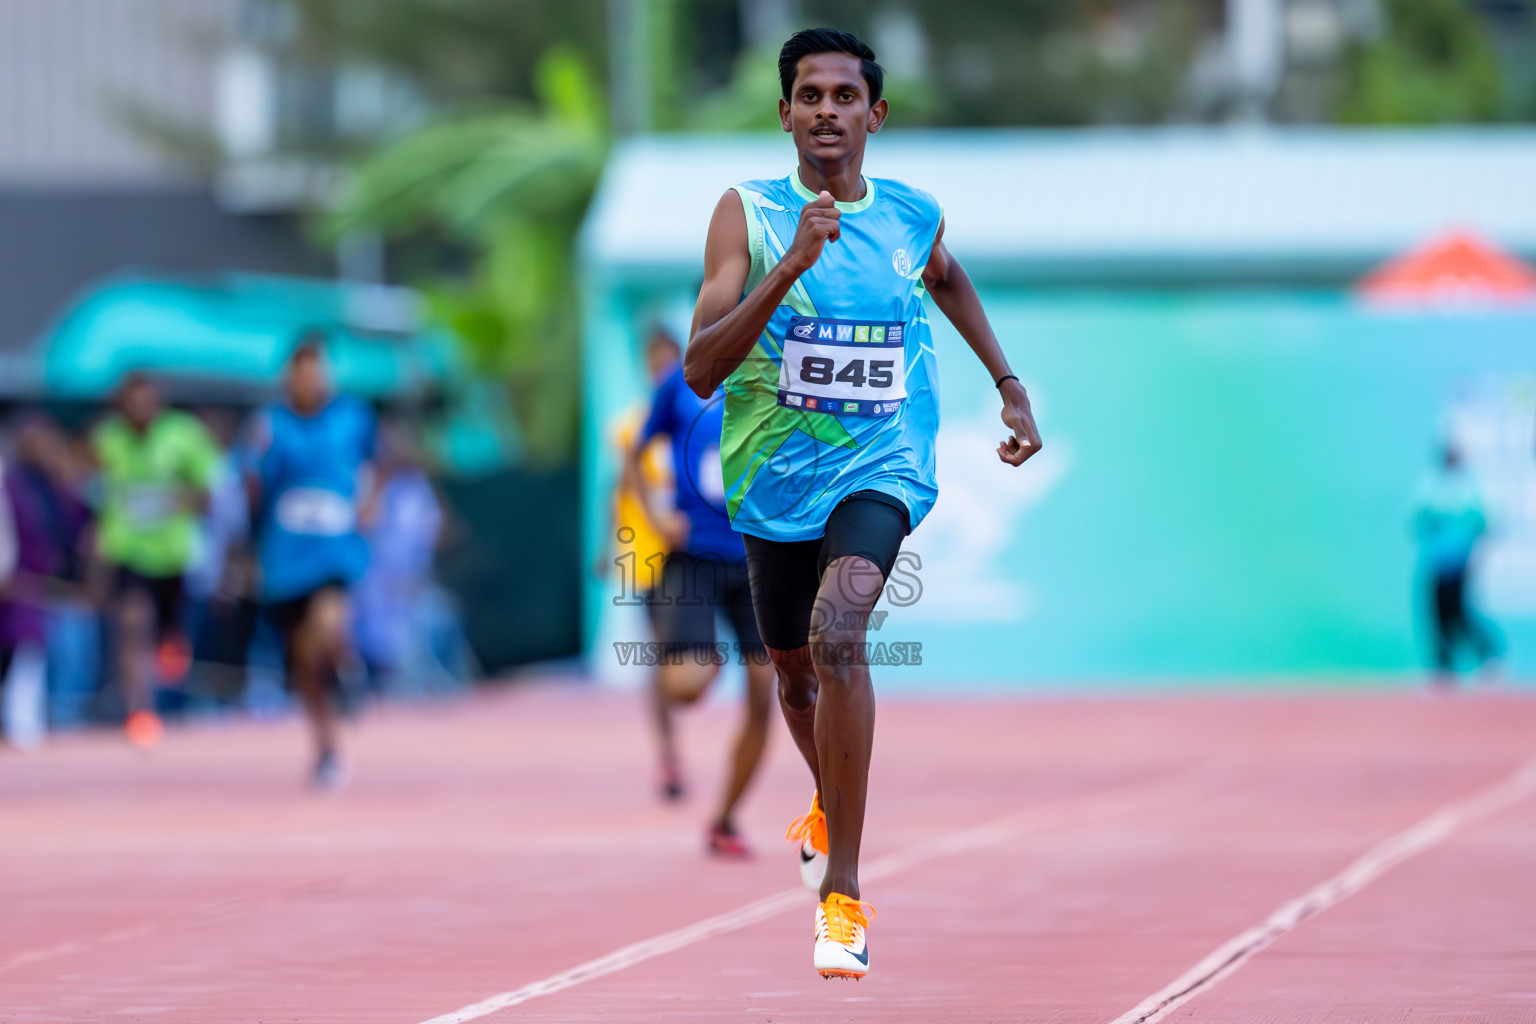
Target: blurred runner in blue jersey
[309,470]
[812,317]
[705,574]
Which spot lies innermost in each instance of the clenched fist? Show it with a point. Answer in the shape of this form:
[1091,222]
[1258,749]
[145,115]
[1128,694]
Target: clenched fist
[818,226]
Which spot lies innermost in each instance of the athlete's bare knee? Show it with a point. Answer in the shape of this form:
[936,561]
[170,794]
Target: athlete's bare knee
[842,676]
[840,657]
[328,614]
[797,677]
[686,683]
[322,637]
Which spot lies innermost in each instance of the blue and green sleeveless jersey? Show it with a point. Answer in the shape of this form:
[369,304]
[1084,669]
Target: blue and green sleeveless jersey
[308,468]
[839,394]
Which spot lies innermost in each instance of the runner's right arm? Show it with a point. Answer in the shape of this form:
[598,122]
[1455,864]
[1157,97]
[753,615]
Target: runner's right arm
[672,528]
[726,325]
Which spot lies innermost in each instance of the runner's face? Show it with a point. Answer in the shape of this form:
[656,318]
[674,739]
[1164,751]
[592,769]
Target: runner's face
[141,404]
[659,359]
[828,110]
[308,383]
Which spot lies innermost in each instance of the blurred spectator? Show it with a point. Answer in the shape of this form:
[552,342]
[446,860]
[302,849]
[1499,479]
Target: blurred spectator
[226,520]
[220,585]
[156,467]
[7,534]
[172,562]
[1449,524]
[45,521]
[395,604]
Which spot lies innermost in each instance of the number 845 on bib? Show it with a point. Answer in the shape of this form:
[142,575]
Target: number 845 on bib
[849,367]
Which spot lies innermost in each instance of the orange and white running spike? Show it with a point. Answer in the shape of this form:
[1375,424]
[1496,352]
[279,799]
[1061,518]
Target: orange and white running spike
[810,831]
[841,950]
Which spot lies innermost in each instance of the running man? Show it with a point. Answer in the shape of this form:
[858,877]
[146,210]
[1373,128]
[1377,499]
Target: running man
[309,472]
[156,465]
[812,317]
[705,572]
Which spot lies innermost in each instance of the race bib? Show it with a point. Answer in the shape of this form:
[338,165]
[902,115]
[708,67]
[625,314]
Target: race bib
[146,506]
[848,367]
[314,511]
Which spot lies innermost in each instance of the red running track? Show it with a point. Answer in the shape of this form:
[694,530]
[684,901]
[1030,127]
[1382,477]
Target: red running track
[1039,860]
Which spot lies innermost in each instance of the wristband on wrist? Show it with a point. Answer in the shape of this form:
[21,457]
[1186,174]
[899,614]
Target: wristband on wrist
[1008,376]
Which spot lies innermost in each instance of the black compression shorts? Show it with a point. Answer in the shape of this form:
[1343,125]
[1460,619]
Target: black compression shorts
[692,588]
[286,615]
[166,595]
[786,575]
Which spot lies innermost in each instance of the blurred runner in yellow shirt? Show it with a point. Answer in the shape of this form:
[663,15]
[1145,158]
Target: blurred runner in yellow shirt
[631,533]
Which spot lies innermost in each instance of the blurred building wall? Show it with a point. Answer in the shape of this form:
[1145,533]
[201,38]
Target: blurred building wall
[107,108]
[70,71]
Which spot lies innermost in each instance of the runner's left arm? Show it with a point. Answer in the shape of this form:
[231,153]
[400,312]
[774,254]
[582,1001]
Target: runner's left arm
[955,295]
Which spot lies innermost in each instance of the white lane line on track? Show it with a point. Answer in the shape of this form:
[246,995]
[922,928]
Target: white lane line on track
[32,956]
[1055,814]
[1370,866]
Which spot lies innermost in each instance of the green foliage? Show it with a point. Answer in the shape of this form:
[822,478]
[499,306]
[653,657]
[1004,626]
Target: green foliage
[1038,62]
[1434,64]
[512,183]
[455,51]
[746,103]
[749,102]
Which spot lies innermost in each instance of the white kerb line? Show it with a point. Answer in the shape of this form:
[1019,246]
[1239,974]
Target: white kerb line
[986,834]
[1374,863]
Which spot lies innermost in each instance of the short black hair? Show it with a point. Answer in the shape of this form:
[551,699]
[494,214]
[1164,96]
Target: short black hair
[812,41]
[132,379]
[310,344]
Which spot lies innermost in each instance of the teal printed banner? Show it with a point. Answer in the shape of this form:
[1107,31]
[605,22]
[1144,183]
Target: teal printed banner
[1224,495]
